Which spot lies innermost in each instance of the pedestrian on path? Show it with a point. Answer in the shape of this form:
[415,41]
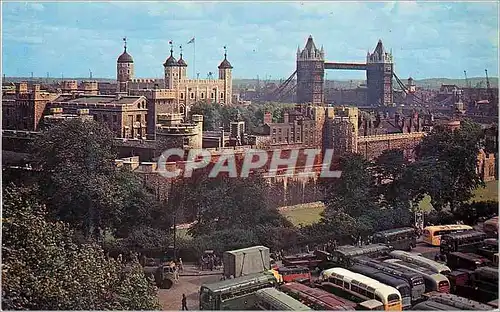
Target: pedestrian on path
[184,302]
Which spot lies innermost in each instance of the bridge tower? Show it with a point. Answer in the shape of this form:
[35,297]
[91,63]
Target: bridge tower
[379,71]
[310,73]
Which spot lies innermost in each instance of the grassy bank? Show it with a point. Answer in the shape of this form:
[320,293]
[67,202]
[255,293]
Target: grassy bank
[309,213]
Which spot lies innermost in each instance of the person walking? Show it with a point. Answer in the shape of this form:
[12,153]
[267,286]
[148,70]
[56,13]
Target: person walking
[181,267]
[184,302]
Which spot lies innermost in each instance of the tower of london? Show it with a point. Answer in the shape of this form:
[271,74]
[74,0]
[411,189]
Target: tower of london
[175,93]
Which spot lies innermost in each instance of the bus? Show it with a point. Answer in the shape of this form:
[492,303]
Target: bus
[235,294]
[489,248]
[490,227]
[468,241]
[361,287]
[270,298]
[457,302]
[467,261]
[486,281]
[421,261]
[415,280]
[316,298]
[306,259]
[344,255]
[429,305]
[401,238]
[433,281]
[295,273]
[432,234]
[398,283]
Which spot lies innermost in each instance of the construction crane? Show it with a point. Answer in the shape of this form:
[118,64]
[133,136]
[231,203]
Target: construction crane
[466,80]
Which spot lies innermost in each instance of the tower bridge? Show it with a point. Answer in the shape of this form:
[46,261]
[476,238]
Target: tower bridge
[310,72]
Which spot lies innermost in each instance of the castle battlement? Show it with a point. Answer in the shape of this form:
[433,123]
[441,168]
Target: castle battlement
[391,136]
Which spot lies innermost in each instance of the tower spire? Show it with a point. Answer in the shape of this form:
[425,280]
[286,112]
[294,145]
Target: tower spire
[125,43]
[171,48]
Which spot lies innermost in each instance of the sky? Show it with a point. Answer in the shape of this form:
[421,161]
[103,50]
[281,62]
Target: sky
[428,39]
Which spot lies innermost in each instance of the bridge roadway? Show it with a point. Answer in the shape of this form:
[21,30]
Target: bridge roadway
[347,66]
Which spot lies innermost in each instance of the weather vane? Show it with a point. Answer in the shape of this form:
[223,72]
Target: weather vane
[125,43]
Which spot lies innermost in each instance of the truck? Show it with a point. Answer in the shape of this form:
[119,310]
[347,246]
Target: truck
[241,262]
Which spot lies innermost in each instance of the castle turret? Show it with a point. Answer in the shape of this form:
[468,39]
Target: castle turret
[124,68]
[225,73]
[171,70]
[310,74]
[182,67]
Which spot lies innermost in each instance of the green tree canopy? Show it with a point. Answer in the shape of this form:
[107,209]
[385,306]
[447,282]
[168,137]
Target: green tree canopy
[43,268]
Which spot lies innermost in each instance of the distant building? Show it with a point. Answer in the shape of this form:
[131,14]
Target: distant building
[125,115]
[23,108]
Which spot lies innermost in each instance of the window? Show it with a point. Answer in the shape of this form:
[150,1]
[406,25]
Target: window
[202,95]
[139,105]
[221,95]
[192,95]
[182,96]
[138,118]
[115,118]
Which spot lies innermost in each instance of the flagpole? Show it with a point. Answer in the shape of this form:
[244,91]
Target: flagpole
[194,57]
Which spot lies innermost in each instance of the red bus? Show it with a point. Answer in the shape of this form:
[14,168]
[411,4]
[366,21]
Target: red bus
[307,260]
[317,299]
[295,273]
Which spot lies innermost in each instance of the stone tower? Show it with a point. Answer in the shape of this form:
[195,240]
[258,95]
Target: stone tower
[171,71]
[379,70]
[310,73]
[124,68]
[182,67]
[225,73]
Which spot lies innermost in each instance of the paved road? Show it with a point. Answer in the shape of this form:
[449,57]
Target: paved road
[189,285]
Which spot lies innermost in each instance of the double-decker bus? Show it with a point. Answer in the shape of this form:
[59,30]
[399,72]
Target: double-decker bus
[295,273]
[467,261]
[306,259]
[433,281]
[457,301]
[468,241]
[432,234]
[316,298]
[415,280]
[344,255]
[361,288]
[401,238]
[235,294]
[398,283]
[429,305]
[270,298]
[489,248]
[421,261]
[485,280]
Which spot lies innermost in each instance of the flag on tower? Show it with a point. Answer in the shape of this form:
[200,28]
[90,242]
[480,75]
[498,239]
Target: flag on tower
[191,41]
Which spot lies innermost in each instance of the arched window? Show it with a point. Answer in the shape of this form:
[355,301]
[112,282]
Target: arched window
[202,95]
[182,96]
[222,95]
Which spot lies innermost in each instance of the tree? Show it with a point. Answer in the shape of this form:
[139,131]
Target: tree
[82,185]
[45,269]
[235,203]
[456,153]
[390,166]
[354,192]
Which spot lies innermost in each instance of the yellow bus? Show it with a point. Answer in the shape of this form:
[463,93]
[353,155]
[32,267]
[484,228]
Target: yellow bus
[432,234]
[362,287]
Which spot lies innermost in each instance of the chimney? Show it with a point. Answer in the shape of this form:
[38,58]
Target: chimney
[268,118]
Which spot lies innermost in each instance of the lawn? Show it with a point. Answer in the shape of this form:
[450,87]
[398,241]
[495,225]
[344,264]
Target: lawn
[309,213]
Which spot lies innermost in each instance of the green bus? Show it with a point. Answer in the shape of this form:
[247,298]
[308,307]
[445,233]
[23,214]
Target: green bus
[235,294]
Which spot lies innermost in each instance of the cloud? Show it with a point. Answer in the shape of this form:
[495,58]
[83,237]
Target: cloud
[430,38]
